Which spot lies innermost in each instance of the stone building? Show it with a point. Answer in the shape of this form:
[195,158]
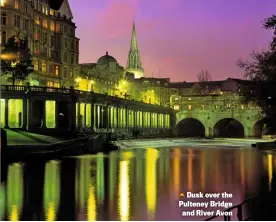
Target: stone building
[51,39]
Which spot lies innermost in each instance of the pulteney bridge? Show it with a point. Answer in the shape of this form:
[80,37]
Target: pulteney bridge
[220,115]
[43,109]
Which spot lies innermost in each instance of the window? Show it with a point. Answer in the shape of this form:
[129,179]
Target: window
[242,106]
[77,46]
[72,45]
[189,107]
[65,43]
[65,57]
[53,55]
[52,12]
[35,63]
[71,73]
[26,8]
[52,26]
[45,9]
[36,49]
[3,37]
[43,67]
[65,73]
[45,51]
[17,21]
[37,20]
[57,71]
[35,4]
[25,24]
[72,59]
[51,69]
[52,41]
[36,35]
[16,4]
[65,29]
[45,23]
[57,27]
[72,32]
[77,59]
[176,107]
[3,19]
[45,38]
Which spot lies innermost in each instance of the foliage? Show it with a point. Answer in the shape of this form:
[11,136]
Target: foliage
[261,69]
[204,76]
[17,59]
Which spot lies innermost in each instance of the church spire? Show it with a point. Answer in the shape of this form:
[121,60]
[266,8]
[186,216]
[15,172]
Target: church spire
[134,64]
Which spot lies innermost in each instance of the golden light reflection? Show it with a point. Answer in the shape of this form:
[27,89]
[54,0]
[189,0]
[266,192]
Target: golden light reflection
[124,192]
[51,214]
[270,170]
[176,171]
[203,171]
[91,205]
[190,170]
[14,213]
[151,161]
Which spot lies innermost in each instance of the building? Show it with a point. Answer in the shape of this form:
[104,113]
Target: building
[103,77]
[134,64]
[51,39]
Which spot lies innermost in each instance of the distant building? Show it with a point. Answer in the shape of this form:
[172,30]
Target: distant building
[51,39]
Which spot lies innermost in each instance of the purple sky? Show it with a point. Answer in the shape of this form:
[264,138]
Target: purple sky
[176,38]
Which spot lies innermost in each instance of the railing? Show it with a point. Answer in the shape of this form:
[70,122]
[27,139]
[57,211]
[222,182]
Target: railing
[253,202]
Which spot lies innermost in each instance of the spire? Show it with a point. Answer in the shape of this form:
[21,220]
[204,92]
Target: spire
[134,64]
[134,45]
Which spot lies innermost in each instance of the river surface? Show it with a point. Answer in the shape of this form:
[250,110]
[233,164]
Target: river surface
[133,184]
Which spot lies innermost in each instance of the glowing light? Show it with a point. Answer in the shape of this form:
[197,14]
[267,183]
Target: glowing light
[151,158]
[3,2]
[14,213]
[124,82]
[270,170]
[50,108]
[91,205]
[15,112]
[176,171]
[9,56]
[78,79]
[2,112]
[124,193]
[51,214]
[92,82]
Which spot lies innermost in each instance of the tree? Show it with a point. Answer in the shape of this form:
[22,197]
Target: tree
[261,69]
[16,60]
[204,76]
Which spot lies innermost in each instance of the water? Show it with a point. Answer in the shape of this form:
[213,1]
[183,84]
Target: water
[133,184]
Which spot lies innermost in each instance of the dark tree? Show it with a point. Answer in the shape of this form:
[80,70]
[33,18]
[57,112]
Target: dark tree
[204,76]
[16,60]
[261,69]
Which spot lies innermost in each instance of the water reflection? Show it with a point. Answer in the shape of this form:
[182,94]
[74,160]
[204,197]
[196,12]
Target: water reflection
[141,184]
[15,191]
[151,161]
[51,190]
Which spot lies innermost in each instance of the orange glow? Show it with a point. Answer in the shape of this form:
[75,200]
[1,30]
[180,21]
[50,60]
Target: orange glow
[14,216]
[190,170]
[176,171]
[270,170]
[51,214]
[203,171]
[9,56]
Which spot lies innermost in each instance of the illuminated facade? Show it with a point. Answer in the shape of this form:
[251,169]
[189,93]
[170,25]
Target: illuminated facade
[51,39]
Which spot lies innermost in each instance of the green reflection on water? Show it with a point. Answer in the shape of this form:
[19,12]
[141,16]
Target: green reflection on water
[100,177]
[51,190]
[15,191]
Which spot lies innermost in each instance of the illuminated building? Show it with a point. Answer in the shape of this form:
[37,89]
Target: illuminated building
[51,39]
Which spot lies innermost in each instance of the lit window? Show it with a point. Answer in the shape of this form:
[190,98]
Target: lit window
[189,107]
[37,20]
[45,23]
[43,67]
[52,26]
[16,4]
[2,2]
[52,12]
[176,107]
[242,106]
[176,98]
[36,35]
[35,63]
[57,71]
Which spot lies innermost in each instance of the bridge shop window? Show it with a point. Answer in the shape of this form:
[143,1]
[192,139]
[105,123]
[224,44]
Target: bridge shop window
[176,107]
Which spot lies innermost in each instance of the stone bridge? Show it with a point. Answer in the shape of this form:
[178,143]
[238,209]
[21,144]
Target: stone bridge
[217,116]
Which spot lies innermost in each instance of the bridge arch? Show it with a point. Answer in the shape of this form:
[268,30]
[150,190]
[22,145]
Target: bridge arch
[190,127]
[229,128]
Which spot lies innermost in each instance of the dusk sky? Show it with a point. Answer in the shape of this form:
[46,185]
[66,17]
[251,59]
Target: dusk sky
[176,38]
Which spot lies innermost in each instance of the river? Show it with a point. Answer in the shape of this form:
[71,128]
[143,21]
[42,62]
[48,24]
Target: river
[132,184]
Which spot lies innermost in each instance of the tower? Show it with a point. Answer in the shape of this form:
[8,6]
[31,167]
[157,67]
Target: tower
[134,64]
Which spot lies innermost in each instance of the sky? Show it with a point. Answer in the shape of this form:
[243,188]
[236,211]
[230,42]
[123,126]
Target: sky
[176,38]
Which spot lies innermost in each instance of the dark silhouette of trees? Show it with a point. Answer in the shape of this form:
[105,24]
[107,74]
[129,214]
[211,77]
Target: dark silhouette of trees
[204,76]
[261,69]
[16,60]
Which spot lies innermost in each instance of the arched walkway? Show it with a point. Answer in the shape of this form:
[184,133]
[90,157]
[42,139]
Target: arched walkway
[229,128]
[190,127]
